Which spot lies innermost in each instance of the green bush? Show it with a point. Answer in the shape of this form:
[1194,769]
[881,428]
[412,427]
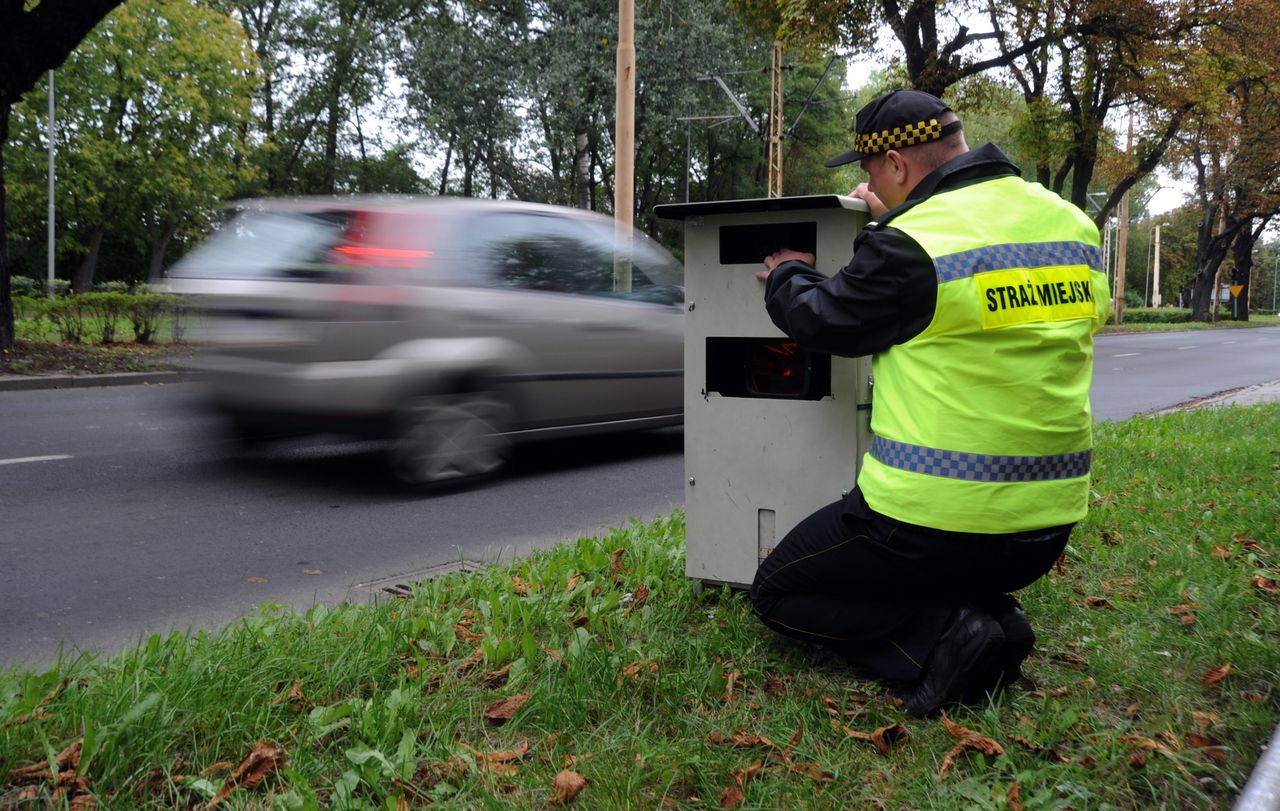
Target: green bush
[145,312]
[1157,315]
[114,286]
[68,315]
[25,286]
[107,309]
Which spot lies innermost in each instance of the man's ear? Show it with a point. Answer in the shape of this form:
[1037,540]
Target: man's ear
[899,165]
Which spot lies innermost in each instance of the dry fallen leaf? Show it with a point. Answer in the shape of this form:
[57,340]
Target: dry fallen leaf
[257,580]
[797,735]
[464,632]
[731,797]
[68,760]
[1266,584]
[1211,748]
[500,762]
[638,670]
[884,738]
[775,687]
[496,678]
[259,764]
[501,711]
[1204,719]
[568,785]
[294,697]
[573,582]
[476,657]
[1217,674]
[955,730]
[639,596]
[312,572]
[742,776]
[731,686]
[615,562]
[1014,796]
[518,588]
[747,740]
[1220,552]
[1097,602]
[977,743]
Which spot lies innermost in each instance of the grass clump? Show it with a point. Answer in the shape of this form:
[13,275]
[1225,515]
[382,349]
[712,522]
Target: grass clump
[1154,679]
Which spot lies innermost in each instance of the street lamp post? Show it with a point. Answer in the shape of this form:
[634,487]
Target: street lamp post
[1155,287]
[52,226]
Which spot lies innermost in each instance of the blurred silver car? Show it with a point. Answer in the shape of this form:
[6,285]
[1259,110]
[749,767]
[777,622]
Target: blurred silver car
[453,327]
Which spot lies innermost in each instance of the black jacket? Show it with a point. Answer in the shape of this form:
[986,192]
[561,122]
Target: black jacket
[887,293]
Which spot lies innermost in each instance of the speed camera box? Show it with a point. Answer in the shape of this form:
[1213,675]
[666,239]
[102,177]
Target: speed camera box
[772,430]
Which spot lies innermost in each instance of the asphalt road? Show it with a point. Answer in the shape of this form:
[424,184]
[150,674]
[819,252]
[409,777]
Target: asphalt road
[124,512]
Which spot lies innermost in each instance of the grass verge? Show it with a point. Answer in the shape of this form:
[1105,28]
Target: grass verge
[1155,679]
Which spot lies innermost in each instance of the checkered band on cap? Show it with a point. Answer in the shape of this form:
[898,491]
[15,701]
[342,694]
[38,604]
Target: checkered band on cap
[908,135]
[979,467]
[964,264]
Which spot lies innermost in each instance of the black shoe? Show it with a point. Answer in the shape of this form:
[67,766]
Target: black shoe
[968,646]
[1019,640]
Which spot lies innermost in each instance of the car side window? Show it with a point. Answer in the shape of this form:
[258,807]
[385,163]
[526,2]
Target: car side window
[564,255]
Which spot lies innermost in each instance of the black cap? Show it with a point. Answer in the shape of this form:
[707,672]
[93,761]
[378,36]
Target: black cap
[895,120]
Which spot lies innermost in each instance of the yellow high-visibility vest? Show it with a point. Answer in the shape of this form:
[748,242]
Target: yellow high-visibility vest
[982,421]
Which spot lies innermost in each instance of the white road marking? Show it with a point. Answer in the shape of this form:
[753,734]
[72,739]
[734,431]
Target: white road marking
[1126,354]
[20,460]
[1228,342]
[1193,346]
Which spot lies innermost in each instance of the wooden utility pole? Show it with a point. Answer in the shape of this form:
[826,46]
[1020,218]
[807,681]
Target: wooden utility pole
[775,123]
[625,146]
[1122,239]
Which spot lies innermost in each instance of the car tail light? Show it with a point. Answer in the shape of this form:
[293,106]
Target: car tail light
[372,256]
[383,239]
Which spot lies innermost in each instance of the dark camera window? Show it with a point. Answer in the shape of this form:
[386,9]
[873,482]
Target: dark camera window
[767,368]
[750,244]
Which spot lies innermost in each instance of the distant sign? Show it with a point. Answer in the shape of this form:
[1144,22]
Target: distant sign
[1235,289]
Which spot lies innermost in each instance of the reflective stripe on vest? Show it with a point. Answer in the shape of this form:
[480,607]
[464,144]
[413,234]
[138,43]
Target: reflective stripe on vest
[979,467]
[1020,255]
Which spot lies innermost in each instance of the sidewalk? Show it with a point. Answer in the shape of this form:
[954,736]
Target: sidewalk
[1249,395]
[31,382]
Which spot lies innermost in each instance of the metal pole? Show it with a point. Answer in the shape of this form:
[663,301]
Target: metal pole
[1275,271]
[1122,239]
[625,144]
[1155,286]
[1146,279]
[52,150]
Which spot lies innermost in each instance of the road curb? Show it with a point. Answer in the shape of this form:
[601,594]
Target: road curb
[88,381]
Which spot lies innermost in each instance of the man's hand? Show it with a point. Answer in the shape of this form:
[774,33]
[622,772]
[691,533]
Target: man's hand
[864,193]
[785,255]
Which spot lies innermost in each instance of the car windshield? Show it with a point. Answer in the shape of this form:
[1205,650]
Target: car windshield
[264,243]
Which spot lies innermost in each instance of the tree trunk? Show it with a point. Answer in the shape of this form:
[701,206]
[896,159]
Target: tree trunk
[444,170]
[582,163]
[161,236]
[6,295]
[82,277]
[1242,253]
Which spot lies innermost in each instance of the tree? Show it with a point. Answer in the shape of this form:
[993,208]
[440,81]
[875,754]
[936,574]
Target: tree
[33,39]
[152,104]
[1233,147]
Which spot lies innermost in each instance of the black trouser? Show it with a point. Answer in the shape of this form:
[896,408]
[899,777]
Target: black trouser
[879,593]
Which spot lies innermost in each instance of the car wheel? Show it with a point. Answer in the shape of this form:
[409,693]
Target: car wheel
[443,438]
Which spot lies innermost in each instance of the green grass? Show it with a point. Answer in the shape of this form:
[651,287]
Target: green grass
[631,679]
[1255,320]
